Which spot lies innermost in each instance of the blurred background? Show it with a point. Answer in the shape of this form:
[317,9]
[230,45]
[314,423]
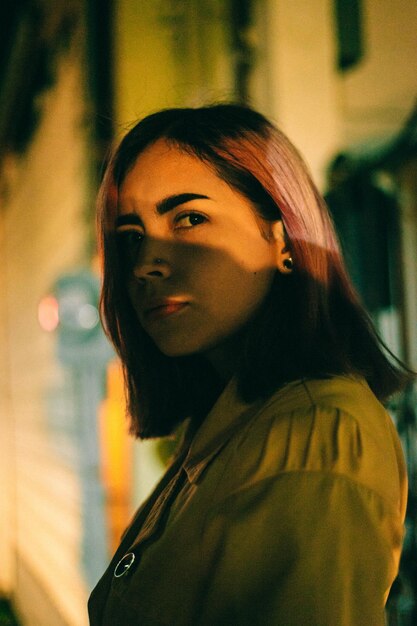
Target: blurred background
[338,76]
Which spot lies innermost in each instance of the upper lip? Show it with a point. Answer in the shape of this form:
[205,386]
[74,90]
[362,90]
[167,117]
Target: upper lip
[157,303]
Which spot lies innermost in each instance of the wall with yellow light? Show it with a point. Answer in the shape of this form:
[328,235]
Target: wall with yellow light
[43,226]
[170,54]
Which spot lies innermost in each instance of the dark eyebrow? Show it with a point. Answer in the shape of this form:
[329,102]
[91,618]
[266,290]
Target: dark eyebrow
[167,204]
[129,218]
[162,207]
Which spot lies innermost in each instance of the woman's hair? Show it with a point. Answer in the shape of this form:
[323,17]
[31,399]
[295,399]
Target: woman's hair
[311,325]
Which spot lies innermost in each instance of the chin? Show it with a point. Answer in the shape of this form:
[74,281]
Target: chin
[177,350]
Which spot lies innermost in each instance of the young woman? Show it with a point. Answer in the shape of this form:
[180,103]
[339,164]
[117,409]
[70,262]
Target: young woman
[227,300]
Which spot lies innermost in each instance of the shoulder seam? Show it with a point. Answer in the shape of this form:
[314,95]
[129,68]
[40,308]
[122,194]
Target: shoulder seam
[333,475]
[306,389]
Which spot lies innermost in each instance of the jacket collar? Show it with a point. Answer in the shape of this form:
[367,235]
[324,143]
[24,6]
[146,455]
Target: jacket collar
[227,415]
[230,413]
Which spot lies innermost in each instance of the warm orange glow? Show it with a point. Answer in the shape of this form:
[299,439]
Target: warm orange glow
[48,313]
[116,455]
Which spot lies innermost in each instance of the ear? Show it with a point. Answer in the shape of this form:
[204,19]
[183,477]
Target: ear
[283,253]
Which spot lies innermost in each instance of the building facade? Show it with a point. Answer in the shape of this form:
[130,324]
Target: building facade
[335,81]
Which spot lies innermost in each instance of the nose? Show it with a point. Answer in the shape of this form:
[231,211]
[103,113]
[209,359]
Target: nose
[151,269]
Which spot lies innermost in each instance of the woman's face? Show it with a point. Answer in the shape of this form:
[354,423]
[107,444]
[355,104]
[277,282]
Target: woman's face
[197,264]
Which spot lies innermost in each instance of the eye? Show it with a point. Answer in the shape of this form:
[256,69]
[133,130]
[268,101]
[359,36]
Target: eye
[128,246]
[189,220]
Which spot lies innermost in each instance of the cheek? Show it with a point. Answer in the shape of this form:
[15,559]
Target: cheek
[132,293]
[238,293]
[226,282]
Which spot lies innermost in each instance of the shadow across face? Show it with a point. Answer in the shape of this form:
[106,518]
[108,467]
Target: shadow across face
[197,257]
[192,298]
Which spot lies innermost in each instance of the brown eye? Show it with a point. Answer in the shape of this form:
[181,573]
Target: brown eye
[188,220]
[128,245]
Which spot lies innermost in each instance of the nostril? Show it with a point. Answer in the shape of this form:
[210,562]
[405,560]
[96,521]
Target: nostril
[152,269]
[143,274]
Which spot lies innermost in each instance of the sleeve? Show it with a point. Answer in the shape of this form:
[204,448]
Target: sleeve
[301,548]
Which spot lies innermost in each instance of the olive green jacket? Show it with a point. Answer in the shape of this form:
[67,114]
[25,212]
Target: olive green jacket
[283,513]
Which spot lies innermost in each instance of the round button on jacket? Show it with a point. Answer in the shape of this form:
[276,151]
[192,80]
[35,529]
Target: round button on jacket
[124,565]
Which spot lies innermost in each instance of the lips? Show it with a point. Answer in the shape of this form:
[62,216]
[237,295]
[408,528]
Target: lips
[161,309]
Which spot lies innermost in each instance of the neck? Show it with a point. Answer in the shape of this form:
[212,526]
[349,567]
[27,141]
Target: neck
[224,358]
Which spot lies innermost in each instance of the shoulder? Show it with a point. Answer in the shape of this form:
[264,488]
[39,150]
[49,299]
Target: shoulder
[310,494]
[348,393]
[341,402]
[334,426]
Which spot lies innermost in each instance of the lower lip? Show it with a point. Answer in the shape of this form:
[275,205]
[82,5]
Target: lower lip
[162,312]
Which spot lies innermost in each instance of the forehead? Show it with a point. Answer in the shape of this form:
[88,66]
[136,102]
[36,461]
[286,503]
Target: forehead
[163,169]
